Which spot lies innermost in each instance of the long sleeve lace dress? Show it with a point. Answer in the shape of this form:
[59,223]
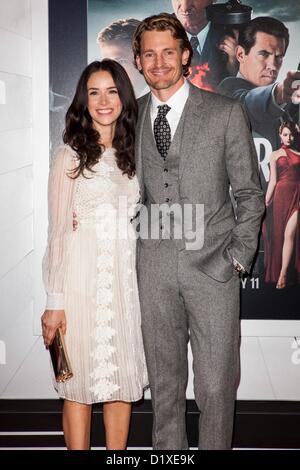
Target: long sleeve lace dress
[90,273]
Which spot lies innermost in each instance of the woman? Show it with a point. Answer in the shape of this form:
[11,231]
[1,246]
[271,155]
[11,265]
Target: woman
[282,200]
[90,273]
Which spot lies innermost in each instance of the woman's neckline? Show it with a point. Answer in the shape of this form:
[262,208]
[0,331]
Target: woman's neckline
[109,150]
[293,151]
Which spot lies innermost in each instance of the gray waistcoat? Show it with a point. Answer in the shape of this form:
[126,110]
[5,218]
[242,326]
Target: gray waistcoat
[162,182]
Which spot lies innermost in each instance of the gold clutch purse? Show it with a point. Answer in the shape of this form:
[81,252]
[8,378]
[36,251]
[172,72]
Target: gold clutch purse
[59,358]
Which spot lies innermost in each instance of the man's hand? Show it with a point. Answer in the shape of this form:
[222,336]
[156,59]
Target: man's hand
[228,45]
[75,221]
[51,321]
[284,91]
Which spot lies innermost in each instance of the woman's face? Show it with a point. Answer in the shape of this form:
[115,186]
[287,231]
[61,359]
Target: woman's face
[104,102]
[286,136]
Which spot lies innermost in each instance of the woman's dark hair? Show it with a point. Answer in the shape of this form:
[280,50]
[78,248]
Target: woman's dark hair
[295,144]
[79,132]
[291,125]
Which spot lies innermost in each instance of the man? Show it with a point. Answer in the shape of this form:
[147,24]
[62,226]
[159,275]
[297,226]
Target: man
[261,48]
[213,51]
[115,43]
[190,145]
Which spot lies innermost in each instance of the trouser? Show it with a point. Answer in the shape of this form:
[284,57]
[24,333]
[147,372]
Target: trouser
[178,303]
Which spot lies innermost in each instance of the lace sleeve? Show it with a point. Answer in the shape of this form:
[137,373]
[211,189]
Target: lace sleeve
[60,228]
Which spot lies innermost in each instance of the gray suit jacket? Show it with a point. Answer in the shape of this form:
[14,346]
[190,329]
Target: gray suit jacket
[217,150]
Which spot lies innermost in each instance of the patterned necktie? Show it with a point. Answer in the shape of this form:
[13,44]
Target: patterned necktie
[162,130]
[196,59]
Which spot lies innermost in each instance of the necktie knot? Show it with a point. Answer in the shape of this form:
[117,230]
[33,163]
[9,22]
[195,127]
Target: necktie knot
[163,110]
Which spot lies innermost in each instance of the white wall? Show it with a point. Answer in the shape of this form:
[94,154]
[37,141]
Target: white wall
[24,160]
[270,356]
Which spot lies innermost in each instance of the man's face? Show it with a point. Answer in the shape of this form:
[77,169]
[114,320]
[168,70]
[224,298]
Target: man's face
[261,66]
[161,60]
[122,53]
[191,14]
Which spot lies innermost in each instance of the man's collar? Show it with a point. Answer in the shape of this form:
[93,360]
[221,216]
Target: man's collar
[177,101]
[201,35]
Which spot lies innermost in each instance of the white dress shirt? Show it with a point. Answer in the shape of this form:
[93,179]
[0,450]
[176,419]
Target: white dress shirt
[176,103]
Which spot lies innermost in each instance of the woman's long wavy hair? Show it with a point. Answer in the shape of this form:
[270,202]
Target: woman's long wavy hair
[79,132]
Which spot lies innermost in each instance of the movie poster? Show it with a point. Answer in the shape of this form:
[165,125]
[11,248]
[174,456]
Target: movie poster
[256,76]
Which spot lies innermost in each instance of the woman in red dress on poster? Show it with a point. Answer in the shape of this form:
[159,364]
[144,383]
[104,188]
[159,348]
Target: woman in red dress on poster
[282,227]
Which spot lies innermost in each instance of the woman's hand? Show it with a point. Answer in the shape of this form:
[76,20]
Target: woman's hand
[51,321]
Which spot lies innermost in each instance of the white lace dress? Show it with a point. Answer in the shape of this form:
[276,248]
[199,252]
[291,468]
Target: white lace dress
[91,274]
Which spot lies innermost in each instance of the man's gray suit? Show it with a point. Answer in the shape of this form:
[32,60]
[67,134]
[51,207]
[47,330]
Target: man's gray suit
[195,293]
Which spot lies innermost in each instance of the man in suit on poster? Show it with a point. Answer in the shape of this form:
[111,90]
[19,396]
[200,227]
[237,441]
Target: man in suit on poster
[213,50]
[262,45]
[190,145]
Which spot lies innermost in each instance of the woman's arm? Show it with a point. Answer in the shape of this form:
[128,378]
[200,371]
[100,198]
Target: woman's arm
[60,201]
[273,178]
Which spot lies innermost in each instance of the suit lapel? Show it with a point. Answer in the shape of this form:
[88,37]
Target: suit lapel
[194,123]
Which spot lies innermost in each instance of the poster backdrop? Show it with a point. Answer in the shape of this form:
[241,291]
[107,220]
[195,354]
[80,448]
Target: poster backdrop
[110,26]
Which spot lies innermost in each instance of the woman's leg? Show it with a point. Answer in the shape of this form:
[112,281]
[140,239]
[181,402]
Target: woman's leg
[287,249]
[116,416]
[77,425]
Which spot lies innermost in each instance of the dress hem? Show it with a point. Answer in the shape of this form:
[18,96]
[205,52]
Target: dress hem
[134,400]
